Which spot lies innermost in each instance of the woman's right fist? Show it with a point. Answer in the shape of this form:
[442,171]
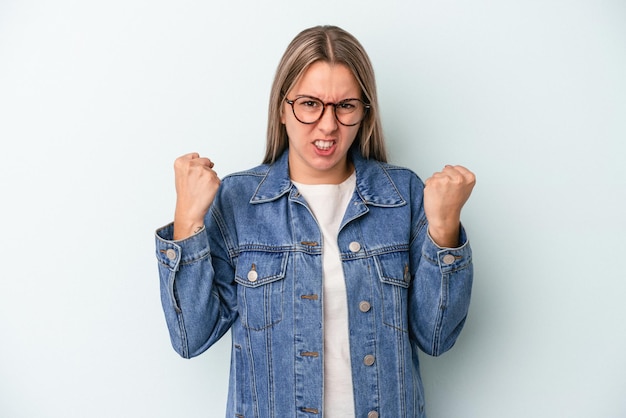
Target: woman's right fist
[196,186]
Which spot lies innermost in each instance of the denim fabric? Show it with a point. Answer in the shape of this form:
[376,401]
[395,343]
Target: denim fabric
[256,269]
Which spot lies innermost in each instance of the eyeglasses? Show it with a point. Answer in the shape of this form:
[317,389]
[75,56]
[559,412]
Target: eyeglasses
[348,112]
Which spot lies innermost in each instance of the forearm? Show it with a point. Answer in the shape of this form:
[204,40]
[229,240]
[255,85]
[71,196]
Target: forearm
[440,294]
[195,313]
[446,235]
[184,227]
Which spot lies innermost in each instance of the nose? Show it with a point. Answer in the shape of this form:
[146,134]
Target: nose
[328,122]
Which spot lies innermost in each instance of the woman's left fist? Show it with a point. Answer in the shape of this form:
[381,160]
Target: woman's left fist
[444,196]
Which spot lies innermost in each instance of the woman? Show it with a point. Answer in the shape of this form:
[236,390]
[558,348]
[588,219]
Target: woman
[329,266]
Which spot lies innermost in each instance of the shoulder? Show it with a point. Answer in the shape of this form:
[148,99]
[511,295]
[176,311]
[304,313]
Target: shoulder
[396,170]
[399,175]
[242,184]
[252,176]
[407,182]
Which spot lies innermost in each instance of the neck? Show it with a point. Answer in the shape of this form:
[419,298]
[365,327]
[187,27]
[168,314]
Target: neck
[336,176]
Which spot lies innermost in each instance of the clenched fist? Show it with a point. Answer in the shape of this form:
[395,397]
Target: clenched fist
[196,186]
[444,196]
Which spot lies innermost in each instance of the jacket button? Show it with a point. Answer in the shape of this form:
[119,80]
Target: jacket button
[364,306]
[253,275]
[171,254]
[448,259]
[354,247]
[369,359]
[372,414]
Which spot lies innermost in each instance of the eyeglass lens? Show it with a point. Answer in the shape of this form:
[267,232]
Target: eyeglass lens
[310,110]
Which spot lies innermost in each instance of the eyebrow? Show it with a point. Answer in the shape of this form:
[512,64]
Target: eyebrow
[299,96]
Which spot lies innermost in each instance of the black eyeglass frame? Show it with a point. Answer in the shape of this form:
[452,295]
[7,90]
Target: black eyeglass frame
[334,105]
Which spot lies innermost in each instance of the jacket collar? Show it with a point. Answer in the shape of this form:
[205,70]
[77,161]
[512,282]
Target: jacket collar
[373,182]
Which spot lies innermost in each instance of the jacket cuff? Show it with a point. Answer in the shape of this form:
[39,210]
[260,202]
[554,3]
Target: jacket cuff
[172,253]
[448,259]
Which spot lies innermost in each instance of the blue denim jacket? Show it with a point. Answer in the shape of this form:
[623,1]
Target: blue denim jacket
[256,269]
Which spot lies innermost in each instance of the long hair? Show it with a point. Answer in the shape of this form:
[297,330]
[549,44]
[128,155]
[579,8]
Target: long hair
[335,46]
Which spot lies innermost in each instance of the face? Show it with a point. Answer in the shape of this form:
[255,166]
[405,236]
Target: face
[318,153]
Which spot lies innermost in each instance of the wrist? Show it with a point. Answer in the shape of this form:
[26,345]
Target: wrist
[445,237]
[184,228]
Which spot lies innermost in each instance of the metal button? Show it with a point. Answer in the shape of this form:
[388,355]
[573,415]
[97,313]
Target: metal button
[171,254]
[369,359]
[372,414]
[364,306]
[253,275]
[448,259]
[355,247]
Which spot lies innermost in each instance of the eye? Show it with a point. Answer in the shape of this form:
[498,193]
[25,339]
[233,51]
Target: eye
[347,106]
[308,103]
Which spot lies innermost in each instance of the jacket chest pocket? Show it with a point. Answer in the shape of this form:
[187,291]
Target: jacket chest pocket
[395,277]
[260,276]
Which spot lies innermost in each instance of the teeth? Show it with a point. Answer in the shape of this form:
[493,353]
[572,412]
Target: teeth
[323,145]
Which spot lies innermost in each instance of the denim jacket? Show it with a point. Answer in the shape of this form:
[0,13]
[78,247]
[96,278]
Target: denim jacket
[256,269]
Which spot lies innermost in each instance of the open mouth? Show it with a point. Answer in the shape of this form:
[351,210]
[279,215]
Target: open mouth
[323,145]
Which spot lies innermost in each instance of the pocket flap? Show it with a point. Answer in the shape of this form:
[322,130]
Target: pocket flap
[257,268]
[393,268]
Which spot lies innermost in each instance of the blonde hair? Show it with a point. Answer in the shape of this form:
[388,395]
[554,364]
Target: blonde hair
[335,46]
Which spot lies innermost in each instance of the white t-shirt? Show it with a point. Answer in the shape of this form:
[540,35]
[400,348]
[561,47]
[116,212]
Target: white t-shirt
[328,202]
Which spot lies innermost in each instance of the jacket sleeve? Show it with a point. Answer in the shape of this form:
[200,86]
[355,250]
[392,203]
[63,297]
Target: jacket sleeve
[440,291]
[198,293]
